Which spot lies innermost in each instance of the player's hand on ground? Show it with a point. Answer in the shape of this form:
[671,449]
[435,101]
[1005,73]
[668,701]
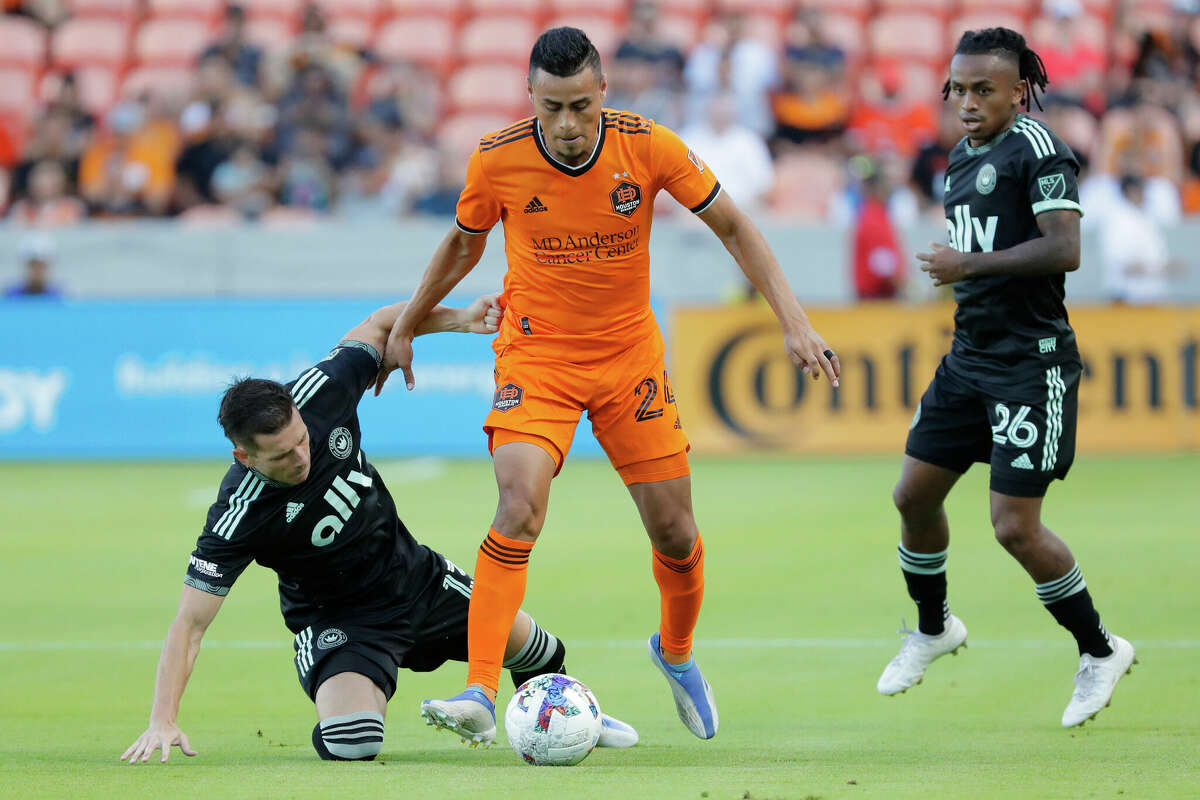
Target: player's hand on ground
[944,264]
[397,354]
[483,316]
[809,351]
[159,736]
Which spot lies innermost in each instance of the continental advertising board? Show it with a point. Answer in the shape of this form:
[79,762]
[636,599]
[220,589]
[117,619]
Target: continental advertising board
[737,390]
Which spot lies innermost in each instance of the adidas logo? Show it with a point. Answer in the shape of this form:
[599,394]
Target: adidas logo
[535,206]
[293,509]
[1022,462]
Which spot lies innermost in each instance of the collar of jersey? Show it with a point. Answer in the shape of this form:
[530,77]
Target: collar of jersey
[270,481]
[995,140]
[566,169]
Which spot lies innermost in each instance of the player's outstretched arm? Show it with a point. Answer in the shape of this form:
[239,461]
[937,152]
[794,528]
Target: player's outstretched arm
[457,255]
[1054,252]
[196,611]
[750,250]
[481,316]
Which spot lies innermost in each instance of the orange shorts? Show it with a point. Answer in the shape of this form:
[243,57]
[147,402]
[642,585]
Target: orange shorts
[628,399]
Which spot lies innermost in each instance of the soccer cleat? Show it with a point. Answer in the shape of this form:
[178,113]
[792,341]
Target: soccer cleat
[919,650]
[614,733]
[471,715]
[1096,680]
[694,699]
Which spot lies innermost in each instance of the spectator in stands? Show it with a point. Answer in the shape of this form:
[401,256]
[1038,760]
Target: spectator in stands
[314,46]
[37,255]
[314,103]
[1076,69]
[413,172]
[1137,266]
[52,139]
[243,182]
[130,170]
[1143,141]
[48,204]
[206,143]
[66,101]
[736,154]
[646,73]
[231,45]
[878,257]
[306,178]
[811,104]
[442,198]
[731,60]
[887,119]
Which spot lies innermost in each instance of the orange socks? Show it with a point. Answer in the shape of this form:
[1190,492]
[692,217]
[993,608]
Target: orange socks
[495,599]
[681,589]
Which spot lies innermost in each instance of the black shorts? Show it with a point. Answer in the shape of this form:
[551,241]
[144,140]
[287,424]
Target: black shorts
[1024,425]
[420,635]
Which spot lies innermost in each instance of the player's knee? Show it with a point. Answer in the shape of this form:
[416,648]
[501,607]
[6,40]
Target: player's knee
[519,518]
[672,534]
[1013,531]
[350,737]
[912,503]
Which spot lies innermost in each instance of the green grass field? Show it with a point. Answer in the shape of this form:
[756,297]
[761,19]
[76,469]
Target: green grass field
[803,598]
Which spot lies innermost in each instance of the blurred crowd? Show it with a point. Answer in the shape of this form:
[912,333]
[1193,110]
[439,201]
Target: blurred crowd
[819,110]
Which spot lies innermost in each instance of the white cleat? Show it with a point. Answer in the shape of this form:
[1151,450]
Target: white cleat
[1096,680]
[920,650]
[614,733]
[471,715]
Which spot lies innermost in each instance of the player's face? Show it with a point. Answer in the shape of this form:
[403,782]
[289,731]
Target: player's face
[569,112]
[282,456]
[986,91]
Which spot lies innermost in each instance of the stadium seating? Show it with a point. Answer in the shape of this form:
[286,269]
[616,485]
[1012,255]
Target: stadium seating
[904,35]
[97,87]
[351,31]
[171,42]
[425,40]
[362,9]
[271,33]
[591,8]
[1088,29]
[482,86]
[16,89]
[90,41]
[846,31]
[164,83]
[805,182]
[1021,8]
[205,10]
[497,38]
[288,10]
[24,43]
[460,133]
[120,10]
[682,30]
[604,33]
[451,9]
[976,20]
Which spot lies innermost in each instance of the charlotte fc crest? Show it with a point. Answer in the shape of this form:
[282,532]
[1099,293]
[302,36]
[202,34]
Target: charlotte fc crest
[985,181]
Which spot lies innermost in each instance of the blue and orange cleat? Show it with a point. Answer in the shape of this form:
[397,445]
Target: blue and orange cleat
[471,715]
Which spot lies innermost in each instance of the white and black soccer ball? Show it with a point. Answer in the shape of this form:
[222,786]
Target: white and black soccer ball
[553,720]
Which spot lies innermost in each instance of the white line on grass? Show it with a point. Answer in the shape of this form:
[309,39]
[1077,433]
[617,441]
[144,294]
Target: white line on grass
[829,644]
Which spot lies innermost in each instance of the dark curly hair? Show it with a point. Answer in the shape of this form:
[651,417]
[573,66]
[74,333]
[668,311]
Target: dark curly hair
[1006,42]
[564,52]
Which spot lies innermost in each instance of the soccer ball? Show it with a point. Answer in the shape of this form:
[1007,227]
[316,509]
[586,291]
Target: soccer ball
[553,720]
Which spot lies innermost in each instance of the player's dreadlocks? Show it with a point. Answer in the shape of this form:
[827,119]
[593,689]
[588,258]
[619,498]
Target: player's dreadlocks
[1008,42]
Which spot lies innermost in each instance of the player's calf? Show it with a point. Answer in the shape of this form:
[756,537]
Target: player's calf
[350,737]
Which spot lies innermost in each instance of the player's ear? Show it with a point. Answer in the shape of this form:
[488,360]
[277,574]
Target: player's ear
[241,456]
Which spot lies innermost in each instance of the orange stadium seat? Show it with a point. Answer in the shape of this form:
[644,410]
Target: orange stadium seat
[530,9]
[89,41]
[207,10]
[591,8]
[907,35]
[451,9]
[942,8]
[16,90]
[353,32]
[428,41]
[805,182]
[163,83]
[483,86]
[24,42]
[97,87]
[980,19]
[460,133]
[270,33]
[1089,29]
[603,32]
[497,38]
[846,31]
[278,9]
[171,42]
[1021,8]
[776,8]
[363,9]
[124,10]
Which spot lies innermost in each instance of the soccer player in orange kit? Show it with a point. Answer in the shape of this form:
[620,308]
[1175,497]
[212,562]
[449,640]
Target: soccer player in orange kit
[574,187]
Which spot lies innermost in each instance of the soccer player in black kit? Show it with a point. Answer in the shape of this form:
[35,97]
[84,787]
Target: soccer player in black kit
[1006,394]
[361,595]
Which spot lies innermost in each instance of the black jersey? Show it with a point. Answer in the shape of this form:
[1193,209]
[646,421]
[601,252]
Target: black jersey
[335,540]
[993,196]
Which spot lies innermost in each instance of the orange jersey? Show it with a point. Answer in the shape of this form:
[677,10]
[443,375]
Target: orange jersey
[577,238]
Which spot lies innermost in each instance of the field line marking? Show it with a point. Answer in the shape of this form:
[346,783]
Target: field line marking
[778,643]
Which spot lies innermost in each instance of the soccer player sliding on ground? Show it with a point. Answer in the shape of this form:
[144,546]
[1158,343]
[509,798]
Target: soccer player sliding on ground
[574,188]
[1007,393]
[362,596]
